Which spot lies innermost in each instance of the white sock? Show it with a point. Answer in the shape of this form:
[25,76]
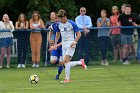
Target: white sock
[67,71]
[74,63]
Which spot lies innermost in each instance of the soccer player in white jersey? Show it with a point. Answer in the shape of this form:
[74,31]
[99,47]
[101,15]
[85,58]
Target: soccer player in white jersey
[68,29]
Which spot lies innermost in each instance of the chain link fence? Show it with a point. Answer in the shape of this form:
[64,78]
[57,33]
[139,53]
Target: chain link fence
[22,40]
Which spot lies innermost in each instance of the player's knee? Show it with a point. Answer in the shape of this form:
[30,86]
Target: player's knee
[53,61]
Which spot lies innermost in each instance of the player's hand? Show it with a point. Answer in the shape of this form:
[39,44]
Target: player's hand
[52,48]
[73,45]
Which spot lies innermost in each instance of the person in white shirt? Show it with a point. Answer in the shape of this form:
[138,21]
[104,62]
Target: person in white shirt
[6,35]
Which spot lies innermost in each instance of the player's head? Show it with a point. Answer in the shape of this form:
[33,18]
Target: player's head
[103,13]
[82,11]
[62,15]
[115,10]
[123,8]
[128,9]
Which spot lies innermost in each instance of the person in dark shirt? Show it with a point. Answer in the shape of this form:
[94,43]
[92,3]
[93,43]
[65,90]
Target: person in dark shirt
[126,19]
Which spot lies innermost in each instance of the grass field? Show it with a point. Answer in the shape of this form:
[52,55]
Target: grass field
[97,79]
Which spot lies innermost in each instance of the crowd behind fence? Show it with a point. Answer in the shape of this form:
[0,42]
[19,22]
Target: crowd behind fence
[95,55]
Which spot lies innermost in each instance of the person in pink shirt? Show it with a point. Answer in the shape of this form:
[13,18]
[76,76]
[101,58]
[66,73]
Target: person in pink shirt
[115,33]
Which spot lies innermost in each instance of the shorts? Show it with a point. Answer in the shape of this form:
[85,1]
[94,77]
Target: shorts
[6,42]
[126,39]
[56,54]
[116,39]
[67,50]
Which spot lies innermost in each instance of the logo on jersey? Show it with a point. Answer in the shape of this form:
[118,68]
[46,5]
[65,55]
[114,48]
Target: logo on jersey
[65,29]
[130,19]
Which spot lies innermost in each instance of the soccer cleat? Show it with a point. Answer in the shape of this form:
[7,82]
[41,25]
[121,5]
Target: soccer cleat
[83,64]
[65,81]
[57,77]
[23,66]
[19,66]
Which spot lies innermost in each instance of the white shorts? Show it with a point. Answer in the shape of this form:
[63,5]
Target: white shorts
[55,58]
[67,50]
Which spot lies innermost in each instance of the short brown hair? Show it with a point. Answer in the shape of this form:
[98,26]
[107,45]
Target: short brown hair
[128,5]
[62,13]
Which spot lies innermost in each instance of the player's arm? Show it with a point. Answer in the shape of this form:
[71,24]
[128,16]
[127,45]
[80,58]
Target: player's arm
[57,37]
[51,42]
[78,35]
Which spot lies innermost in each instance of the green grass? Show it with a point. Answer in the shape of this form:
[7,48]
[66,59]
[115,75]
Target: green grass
[97,79]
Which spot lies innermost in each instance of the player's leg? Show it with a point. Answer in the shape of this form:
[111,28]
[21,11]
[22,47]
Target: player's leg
[60,67]
[68,54]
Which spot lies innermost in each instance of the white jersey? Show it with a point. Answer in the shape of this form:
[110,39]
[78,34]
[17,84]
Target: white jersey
[67,31]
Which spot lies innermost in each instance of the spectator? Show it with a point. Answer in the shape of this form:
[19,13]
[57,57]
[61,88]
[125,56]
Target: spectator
[84,23]
[6,39]
[48,25]
[22,39]
[131,48]
[123,8]
[126,19]
[115,33]
[36,24]
[103,35]
[138,31]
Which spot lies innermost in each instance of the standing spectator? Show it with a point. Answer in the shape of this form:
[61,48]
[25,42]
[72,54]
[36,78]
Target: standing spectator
[103,35]
[138,31]
[48,25]
[115,33]
[84,23]
[126,19]
[6,41]
[123,8]
[36,24]
[22,39]
[131,48]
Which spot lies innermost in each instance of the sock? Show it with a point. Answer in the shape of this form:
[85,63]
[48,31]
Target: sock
[60,68]
[74,63]
[67,71]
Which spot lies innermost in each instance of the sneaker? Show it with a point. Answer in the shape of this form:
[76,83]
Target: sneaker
[7,66]
[23,66]
[37,66]
[83,64]
[106,63]
[65,81]
[57,77]
[0,67]
[126,62]
[19,66]
[33,65]
[102,63]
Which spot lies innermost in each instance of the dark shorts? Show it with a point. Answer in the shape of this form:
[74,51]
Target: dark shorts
[126,39]
[116,40]
[6,42]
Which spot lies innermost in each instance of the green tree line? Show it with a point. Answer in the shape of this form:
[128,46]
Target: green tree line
[15,7]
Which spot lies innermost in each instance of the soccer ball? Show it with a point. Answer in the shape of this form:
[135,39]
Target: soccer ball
[34,79]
